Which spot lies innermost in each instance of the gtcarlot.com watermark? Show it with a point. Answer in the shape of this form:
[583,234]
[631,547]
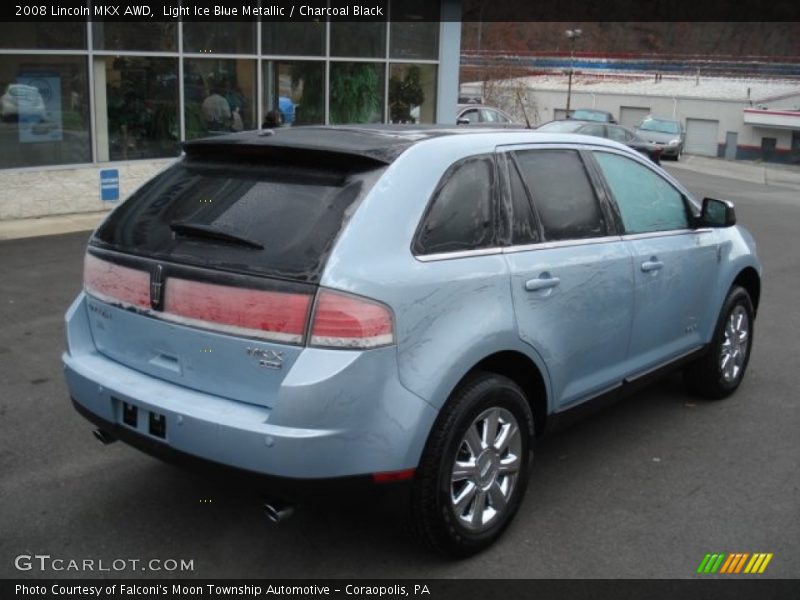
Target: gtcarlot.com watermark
[46,563]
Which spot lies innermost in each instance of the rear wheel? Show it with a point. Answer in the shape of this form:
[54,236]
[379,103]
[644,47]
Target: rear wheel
[719,372]
[474,470]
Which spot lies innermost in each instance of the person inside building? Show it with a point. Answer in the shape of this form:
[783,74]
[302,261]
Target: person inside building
[217,110]
[272,119]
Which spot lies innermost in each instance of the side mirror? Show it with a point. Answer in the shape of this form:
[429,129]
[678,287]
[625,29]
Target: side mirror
[717,213]
[462,121]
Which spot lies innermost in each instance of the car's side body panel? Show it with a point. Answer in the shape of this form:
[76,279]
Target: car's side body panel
[582,325]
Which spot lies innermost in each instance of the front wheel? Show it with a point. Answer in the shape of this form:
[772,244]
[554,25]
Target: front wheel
[719,372]
[474,470]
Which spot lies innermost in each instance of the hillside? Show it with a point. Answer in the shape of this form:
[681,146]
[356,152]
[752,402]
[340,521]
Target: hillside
[722,39]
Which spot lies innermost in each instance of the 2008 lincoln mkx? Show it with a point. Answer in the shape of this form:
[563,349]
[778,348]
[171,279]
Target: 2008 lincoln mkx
[401,306]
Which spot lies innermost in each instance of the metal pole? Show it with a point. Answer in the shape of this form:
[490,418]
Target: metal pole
[569,90]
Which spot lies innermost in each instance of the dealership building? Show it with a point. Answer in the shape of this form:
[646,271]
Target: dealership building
[91,110]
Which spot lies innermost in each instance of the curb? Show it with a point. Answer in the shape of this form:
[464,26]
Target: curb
[55,225]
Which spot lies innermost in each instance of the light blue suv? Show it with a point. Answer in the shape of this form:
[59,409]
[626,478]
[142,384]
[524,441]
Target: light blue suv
[395,306]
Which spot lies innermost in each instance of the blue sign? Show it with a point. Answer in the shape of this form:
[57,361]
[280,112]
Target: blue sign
[109,184]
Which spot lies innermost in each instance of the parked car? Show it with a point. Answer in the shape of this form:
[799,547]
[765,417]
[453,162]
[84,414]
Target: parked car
[479,114]
[618,133]
[667,133]
[406,307]
[590,114]
[21,100]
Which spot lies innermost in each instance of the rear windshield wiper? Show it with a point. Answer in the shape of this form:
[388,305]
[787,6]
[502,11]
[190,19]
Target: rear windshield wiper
[209,231]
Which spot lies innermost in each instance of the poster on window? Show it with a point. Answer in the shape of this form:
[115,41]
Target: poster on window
[36,98]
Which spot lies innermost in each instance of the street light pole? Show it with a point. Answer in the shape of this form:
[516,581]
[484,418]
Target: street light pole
[572,34]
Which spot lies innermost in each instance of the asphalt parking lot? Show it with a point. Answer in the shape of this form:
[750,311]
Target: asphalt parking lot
[643,489]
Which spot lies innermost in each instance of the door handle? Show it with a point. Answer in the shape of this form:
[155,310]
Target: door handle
[545,282]
[652,265]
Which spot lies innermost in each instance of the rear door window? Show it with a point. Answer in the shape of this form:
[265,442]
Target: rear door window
[461,214]
[251,218]
[562,194]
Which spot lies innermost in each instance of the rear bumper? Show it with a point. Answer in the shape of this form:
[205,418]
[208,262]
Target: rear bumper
[284,488]
[333,419]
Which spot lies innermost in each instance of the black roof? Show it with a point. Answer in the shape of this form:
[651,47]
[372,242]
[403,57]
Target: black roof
[368,144]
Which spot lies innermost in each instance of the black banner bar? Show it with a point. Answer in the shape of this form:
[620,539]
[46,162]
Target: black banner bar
[733,588]
[403,10]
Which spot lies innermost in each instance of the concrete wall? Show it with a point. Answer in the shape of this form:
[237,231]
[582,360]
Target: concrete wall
[26,193]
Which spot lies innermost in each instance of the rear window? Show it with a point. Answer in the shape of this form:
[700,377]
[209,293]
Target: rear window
[267,220]
[561,126]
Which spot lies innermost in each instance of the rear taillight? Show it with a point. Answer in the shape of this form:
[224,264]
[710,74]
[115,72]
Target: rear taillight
[114,283]
[340,320]
[277,316]
[344,321]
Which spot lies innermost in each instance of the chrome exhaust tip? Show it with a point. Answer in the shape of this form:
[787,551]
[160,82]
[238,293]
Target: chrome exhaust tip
[278,511]
[103,437]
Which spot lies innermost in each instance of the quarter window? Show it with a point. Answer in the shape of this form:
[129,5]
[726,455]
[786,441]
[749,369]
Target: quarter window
[562,194]
[460,216]
[646,201]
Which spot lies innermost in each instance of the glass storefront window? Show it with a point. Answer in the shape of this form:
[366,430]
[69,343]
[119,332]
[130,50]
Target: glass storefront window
[367,40]
[41,36]
[414,30]
[158,36]
[45,111]
[219,96]
[356,92]
[136,101]
[296,89]
[412,93]
[305,38]
[223,38]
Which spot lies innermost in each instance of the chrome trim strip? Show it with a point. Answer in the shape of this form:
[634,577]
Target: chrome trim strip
[657,234]
[456,255]
[641,374]
[562,244]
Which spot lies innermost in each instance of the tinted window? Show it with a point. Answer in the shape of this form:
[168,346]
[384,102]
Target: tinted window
[562,194]
[524,229]
[646,201]
[295,214]
[460,216]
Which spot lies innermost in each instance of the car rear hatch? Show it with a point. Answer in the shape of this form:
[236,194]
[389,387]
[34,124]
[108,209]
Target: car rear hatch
[207,275]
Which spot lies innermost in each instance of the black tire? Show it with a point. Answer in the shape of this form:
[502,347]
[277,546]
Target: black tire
[433,517]
[706,376]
